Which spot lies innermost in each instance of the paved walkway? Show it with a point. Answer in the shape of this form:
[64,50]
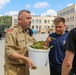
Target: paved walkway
[1,57]
[38,71]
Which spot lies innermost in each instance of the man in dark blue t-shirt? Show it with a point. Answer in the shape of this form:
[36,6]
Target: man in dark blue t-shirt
[57,40]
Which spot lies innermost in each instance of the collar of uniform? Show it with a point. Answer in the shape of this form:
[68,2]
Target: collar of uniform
[21,30]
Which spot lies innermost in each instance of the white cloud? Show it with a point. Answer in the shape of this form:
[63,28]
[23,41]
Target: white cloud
[28,6]
[49,12]
[11,13]
[33,14]
[70,4]
[41,5]
[1,15]
[3,2]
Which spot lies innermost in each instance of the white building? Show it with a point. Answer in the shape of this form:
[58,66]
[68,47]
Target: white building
[69,13]
[38,22]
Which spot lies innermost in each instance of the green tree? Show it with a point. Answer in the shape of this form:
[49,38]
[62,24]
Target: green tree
[5,20]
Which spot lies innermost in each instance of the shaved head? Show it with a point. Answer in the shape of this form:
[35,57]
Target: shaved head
[22,12]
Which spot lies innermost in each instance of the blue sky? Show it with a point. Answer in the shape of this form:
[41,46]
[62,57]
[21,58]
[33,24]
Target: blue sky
[37,7]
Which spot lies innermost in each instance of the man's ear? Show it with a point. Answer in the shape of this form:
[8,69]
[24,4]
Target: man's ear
[65,25]
[19,19]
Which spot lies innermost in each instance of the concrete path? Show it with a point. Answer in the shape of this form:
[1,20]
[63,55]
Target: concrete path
[2,57]
[38,71]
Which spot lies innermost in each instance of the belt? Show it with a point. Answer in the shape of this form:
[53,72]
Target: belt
[18,64]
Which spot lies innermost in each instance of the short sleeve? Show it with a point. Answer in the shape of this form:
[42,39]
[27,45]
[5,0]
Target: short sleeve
[70,43]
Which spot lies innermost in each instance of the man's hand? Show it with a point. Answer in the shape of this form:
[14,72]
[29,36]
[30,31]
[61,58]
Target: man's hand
[30,62]
[48,40]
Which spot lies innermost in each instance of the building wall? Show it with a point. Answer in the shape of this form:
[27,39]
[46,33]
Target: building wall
[38,22]
[69,13]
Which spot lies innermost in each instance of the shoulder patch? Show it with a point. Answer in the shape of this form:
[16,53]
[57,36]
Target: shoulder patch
[10,30]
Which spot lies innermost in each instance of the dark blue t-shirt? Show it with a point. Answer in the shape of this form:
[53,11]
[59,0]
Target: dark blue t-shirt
[57,53]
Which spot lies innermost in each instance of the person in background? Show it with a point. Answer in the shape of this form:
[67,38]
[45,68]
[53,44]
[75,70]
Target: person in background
[66,30]
[69,63]
[56,40]
[0,35]
[17,37]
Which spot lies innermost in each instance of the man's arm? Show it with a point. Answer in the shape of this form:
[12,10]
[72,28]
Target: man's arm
[48,39]
[10,52]
[18,56]
[67,62]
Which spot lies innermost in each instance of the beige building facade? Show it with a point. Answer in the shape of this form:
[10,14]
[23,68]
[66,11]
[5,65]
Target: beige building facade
[69,13]
[39,23]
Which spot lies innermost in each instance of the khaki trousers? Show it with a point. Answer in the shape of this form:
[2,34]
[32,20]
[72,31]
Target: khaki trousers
[10,69]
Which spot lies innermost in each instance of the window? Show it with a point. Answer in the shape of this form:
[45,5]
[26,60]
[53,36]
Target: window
[48,21]
[36,21]
[36,27]
[67,19]
[60,14]
[39,26]
[71,26]
[73,10]
[68,12]
[45,21]
[15,21]
[39,21]
[71,18]
[32,27]
[63,13]
[48,26]
[45,26]
[32,21]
